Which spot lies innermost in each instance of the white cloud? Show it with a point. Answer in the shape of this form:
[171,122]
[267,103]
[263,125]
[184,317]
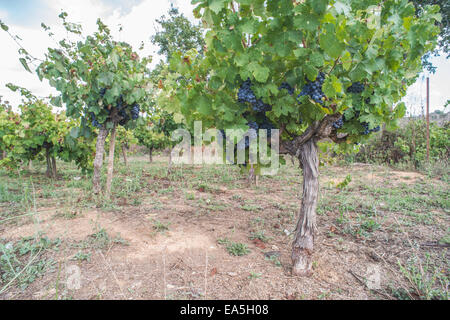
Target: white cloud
[439,88]
[3,14]
[138,25]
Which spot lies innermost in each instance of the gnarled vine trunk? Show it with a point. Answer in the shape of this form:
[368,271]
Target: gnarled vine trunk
[151,155]
[124,153]
[252,176]
[303,245]
[112,147]
[51,164]
[54,172]
[98,160]
[49,172]
[169,170]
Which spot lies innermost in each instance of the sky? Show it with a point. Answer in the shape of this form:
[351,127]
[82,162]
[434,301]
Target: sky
[137,18]
[24,18]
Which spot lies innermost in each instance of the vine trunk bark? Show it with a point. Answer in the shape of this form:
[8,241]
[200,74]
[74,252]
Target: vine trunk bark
[124,153]
[98,160]
[51,164]
[303,244]
[169,170]
[49,172]
[151,155]
[54,172]
[112,145]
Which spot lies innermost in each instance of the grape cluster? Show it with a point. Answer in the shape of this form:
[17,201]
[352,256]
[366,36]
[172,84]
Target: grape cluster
[256,118]
[34,151]
[339,124]
[125,117]
[287,86]
[260,106]
[245,93]
[95,123]
[314,89]
[135,111]
[123,110]
[253,125]
[356,87]
[367,130]
[267,125]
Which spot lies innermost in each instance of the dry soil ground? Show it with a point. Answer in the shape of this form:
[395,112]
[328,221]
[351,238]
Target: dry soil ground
[203,233]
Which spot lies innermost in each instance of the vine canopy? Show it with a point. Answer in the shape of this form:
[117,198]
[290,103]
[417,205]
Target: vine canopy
[378,44]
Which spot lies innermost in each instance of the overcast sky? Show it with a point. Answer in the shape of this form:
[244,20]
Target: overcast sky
[137,17]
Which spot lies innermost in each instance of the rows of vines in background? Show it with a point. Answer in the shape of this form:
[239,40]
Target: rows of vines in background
[407,145]
[37,133]
[175,34]
[104,84]
[148,136]
[125,139]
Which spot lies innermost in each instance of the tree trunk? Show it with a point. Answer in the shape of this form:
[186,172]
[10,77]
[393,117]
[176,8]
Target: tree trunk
[54,172]
[48,173]
[303,244]
[252,177]
[112,145]
[30,165]
[170,161]
[2,154]
[98,160]
[150,151]
[124,153]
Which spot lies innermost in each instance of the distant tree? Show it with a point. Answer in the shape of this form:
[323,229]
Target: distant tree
[177,34]
[444,24]
[149,137]
[36,133]
[125,139]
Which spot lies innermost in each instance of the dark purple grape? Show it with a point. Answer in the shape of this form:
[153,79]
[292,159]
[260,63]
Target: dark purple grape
[287,87]
[314,89]
[356,87]
[338,124]
[245,93]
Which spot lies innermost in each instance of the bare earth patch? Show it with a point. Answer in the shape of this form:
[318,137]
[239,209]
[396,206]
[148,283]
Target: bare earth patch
[168,246]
